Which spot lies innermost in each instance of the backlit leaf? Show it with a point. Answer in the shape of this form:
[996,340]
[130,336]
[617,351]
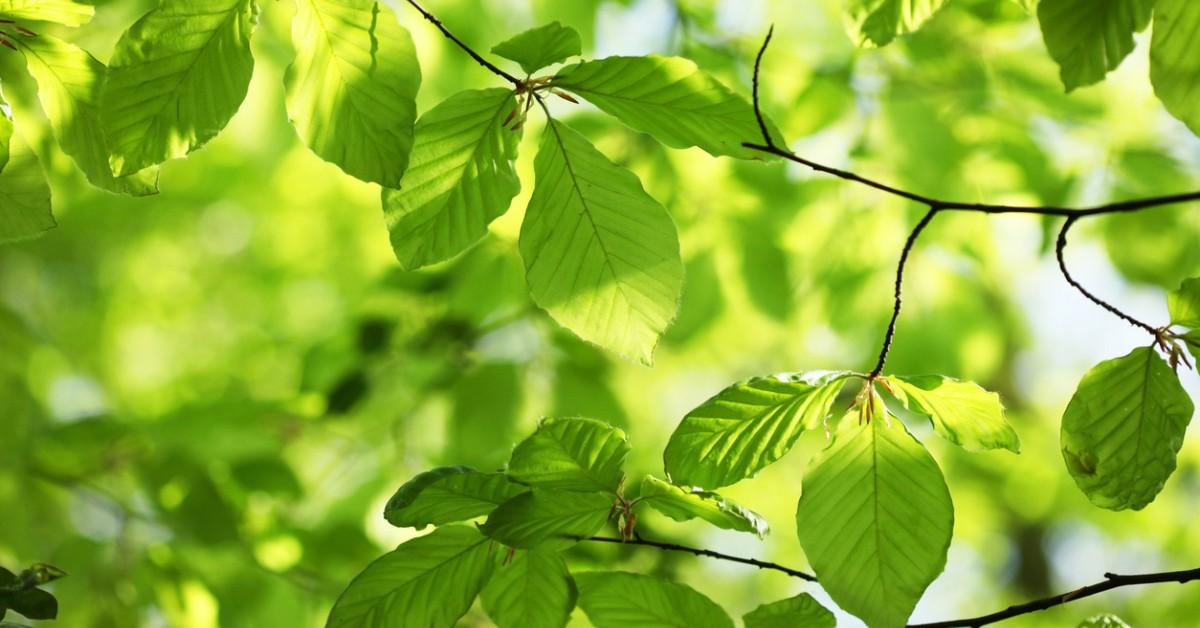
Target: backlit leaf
[878,22]
[61,11]
[571,453]
[1175,59]
[539,47]
[962,412]
[1184,304]
[801,611]
[1088,38]
[616,599]
[532,591]
[24,194]
[548,517]
[682,504]
[447,495]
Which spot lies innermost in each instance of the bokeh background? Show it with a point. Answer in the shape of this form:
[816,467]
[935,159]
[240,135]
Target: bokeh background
[207,396]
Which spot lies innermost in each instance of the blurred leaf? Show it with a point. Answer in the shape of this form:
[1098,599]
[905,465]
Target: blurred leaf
[539,47]
[702,301]
[448,495]
[1184,304]
[1175,59]
[61,11]
[615,599]
[534,590]
[765,270]
[572,454]
[962,412]
[878,22]
[269,475]
[1088,38]
[1107,620]
[801,611]
[544,517]
[485,408]
[682,504]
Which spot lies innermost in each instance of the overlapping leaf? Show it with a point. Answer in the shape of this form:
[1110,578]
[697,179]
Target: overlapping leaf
[66,12]
[571,453]
[1184,304]
[1088,38]
[545,517]
[801,611]
[682,504]
[532,591]
[962,412]
[1175,59]
[878,22]
[615,599]
[447,495]
[539,47]
[24,193]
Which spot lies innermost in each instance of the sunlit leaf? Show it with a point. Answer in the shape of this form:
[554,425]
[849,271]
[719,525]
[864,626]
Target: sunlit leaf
[1107,620]
[61,11]
[801,611]
[6,131]
[1175,59]
[682,504]
[571,453]
[878,22]
[539,47]
[962,412]
[1088,38]
[1123,427]
[447,495]
[24,194]
[1184,304]
[548,517]
[532,591]
[616,599]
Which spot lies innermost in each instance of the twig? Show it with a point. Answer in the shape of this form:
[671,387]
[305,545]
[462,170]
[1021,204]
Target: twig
[1111,581]
[1059,247]
[698,551]
[896,303]
[474,55]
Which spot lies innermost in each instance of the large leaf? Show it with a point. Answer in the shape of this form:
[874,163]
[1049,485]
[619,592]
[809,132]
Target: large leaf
[1184,304]
[601,256]
[539,47]
[61,11]
[69,81]
[1123,427]
[571,453]
[351,93]
[962,412]
[1175,59]
[24,193]
[669,98]
[548,517]
[875,519]
[532,591]
[175,79]
[878,22]
[460,178]
[1088,38]
[682,504]
[446,495]
[747,426]
[427,582]
[801,611]
[616,599]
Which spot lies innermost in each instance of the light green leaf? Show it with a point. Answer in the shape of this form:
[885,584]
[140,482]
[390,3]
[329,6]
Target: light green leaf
[175,79]
[616,599]
[532,591]
[962,412]
[747,426]
[1106,620]
[557,519]
[1123,427]
[801,611]
[351,93]
[60,11]
[682,504]
[6,130]
[446,495]
[1088,38]
[460,178]
[539,47]
[24,193]
[875,519]
[69,81]
[571,453]
[878,22]
[669,98]
[428,582]
[1184,304]
[1175,59]
[601,256]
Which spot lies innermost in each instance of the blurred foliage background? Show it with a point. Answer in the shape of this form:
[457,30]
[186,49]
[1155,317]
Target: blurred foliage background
[207,396]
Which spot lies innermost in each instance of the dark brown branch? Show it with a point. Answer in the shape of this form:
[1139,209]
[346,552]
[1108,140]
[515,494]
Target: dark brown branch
[698,551]
[758,115]
[896,303]
[1059,248]
[1111,581]
[474,55]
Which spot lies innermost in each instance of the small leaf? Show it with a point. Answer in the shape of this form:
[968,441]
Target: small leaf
[875,518]
[1184,304]
[801,611]
[428,582]
[460,178]
[539,47]
[669,98]
[533,591]
[24,194]
[615,599]
[682,504]
[1088,38]
[1106,620]
[1123,428]
[60,11]
[878,22]
[747,426]
[1192,340]
[601,256]
[351,93]
[447,495]
[962,412]
[1175,59]
[557,519]
[574,454]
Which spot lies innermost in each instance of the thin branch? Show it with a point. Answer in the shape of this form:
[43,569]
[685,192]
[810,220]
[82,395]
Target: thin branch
[698,551]
[1059,248]
[762,122]
[474,55]
[1111,581]
[897,302]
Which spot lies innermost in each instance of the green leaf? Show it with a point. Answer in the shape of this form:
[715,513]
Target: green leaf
[59,11]
[615,599]
[571,453]
[24,194]
[1088,38]
[1106,620]
[669,98]
[875,519]
[6,130]
[682,504]
[1192,340]
[539,47]
[1175,59]
[747,426]
[878,22]
[32,603]
[69,81]
[1184,304]
[427,582]
[1123,427]
[962,412]
[548,517]
[601,256]
[532,591]
[351,93]
[447,495]
[801,611]
[176,78]
[459,179]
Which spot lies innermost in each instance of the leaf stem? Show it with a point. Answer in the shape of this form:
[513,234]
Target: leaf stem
[474,55]
[897,301]
[698,551]
[1059,248]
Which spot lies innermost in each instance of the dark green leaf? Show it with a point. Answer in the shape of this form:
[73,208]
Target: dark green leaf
[532,591]
[615,599]
[1088,38]
[801,611]
[447,495]
[556,519]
